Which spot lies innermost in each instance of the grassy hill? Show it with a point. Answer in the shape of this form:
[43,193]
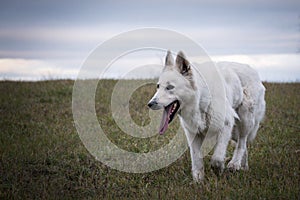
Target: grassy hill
[41,155]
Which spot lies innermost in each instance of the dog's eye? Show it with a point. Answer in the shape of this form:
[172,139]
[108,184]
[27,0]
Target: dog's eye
[157,86]
[169,87]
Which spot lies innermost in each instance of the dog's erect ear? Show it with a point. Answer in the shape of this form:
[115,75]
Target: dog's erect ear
[183,64]
[169,59]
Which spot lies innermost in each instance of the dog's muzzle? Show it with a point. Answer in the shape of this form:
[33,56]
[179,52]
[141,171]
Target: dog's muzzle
[154,105]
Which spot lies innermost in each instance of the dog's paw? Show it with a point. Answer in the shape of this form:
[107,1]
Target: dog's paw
[234,166]
[198,176]
[245,167]
[217,166]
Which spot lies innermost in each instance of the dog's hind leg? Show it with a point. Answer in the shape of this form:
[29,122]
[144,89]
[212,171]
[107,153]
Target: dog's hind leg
[255,115]
[240,154]
[245,127]
[244,164]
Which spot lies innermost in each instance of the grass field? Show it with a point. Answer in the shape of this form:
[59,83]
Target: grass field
[41,155]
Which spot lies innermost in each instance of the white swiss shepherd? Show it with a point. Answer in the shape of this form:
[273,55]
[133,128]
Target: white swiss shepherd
[181,90]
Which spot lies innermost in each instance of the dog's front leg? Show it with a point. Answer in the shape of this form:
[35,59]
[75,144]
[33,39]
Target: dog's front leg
[195,142]
[218,158]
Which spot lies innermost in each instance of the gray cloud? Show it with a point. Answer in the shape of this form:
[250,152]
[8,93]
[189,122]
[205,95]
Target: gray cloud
[70,29]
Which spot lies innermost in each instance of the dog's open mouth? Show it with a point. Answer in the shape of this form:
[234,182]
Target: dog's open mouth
[168,115]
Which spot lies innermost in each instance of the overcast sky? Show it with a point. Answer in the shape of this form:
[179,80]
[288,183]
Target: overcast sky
[40,39]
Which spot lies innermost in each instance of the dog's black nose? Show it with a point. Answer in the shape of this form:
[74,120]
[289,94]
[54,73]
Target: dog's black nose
[152,103]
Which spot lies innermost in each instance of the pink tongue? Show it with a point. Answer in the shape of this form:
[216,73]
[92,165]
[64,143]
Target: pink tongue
[165,119]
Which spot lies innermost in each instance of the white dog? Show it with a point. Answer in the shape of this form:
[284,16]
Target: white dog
[181,90]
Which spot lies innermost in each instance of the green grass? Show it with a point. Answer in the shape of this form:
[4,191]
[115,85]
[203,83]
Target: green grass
[41,155]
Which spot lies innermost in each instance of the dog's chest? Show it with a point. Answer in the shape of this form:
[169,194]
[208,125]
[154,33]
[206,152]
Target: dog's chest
[192,122]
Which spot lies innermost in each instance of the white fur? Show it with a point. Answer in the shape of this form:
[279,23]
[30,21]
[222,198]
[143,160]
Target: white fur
[244,107]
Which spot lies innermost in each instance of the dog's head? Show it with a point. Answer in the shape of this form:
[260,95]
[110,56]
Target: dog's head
[174,88]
